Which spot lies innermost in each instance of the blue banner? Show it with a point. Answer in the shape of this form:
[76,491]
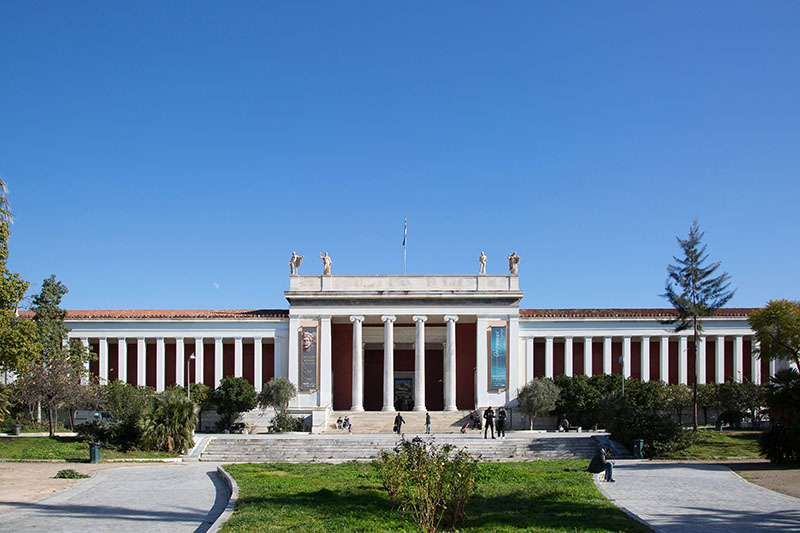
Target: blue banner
[498,359]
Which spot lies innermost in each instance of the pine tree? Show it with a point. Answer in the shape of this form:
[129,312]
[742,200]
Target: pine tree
[695,292]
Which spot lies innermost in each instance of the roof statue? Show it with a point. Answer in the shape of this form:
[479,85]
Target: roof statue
[294,263]
[482,261]
[326,264]
[513,263]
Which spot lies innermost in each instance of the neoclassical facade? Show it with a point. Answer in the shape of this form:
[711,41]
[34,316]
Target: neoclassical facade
[386,343]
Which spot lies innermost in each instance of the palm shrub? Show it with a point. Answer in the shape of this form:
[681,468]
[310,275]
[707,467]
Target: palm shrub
[431,483]
[170,422]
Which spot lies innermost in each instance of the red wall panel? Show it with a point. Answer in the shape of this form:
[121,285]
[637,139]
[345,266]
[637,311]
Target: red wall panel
[342,362]
[466,355]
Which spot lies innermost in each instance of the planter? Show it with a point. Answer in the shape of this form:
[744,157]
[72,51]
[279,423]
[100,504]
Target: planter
[16,429]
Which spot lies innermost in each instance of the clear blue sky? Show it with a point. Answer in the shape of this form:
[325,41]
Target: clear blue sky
[173,154]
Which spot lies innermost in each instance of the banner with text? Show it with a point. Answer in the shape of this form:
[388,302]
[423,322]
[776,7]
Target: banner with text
[497,360]
[308,358]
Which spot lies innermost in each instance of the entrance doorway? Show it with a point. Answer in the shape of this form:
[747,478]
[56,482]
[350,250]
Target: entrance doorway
[403,393]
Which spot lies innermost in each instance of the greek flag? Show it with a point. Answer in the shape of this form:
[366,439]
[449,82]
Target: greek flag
[405,229]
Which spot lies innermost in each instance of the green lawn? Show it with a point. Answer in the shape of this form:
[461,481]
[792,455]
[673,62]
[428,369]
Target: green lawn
[540,496]
[720,445]
[64,448]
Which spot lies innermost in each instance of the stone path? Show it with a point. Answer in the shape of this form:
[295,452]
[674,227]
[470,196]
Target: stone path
[678,497]
[175,498]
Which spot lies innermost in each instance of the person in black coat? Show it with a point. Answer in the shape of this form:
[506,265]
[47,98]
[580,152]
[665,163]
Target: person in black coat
[501,422]
[398,422]
[488,415]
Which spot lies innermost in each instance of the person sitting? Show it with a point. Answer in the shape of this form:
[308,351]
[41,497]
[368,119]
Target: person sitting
[346,424]
[339,423]
[600,463]
[564,425]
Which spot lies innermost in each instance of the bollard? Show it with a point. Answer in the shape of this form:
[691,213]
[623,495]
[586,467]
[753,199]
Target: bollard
[94,452]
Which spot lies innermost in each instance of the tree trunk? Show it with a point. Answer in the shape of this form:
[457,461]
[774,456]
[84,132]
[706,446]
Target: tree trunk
[39,412]
[51,421]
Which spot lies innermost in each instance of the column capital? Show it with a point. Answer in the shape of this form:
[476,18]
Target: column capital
[451,318]
[357,318]
[568,337]
[645,338]
[178,339]
[419,318]
[217,339]
[238,338]
[588,338]
[388,318]
[258,339]
[549,337]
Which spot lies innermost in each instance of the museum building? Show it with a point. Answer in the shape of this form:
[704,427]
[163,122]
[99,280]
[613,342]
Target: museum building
[386,343]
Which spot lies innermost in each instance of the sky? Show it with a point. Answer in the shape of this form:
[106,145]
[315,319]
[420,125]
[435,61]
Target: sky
[172,155]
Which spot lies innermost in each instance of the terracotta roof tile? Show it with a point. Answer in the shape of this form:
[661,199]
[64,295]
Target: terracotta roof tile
[144,314]
[733,312]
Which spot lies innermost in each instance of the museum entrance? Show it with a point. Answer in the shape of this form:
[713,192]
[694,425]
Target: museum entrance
[403,392]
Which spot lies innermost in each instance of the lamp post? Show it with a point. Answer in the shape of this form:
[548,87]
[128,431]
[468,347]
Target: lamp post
[188,376]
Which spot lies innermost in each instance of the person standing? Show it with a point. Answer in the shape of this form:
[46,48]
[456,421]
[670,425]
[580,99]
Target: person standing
[398,422]
[488,415]
[501,422]
[428,423]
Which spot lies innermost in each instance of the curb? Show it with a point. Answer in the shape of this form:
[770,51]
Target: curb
[234,489]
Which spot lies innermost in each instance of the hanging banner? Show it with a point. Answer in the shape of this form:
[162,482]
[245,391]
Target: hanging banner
[498,358]
[308,358]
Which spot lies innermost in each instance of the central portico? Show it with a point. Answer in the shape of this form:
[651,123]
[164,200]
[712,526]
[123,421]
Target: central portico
[386,343]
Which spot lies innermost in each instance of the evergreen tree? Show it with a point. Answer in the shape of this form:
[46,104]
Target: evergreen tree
[695,292]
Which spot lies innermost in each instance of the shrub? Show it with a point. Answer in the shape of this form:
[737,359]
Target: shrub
[170,423]
[233,397]
[781,444]
[277,393]
[538,397]
[69,473]
[285,422]
[431,483]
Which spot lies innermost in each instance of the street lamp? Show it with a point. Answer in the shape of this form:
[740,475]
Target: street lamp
[188,379]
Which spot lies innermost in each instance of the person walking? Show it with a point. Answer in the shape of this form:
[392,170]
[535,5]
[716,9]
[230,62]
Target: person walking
[428,423]
[488,415]
[501,422]
[398,422]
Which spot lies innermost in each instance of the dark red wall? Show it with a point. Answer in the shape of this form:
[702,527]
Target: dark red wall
[267,361]
[655,367]
[208,363]
[597,357]
[673,362]
[342,362]
[466,356]
[228,360]
[636,358]
[728,360]
[248,356]
[94,366]
[150,349]
[538,359]
[373,380]
[169,364]
[434,379]
[113,360]
[132,368]
[558,357]
[577,357]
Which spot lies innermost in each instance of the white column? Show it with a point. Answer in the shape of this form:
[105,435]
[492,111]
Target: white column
[388,362]
[198,360]
[700,360]
[450,364]
[773,367]
[738,359]
[719,360]
[160,364]
[481,363]
[568,356]
[278,349]
[325,363]
[258,363]
[122,360]
[607,355]
[141,362]
[85,379]
[358,365]
[755,363]
[587,356]
[217,361]
[180,360]
[626,357]
[238,349]
[644,350]
[513,359]
[102,361]
[291,366]
[663,359]
[528,359]
[683,357]
[548,356]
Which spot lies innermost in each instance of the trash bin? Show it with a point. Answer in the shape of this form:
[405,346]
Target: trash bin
[638,446]
[16,429]
[94,452]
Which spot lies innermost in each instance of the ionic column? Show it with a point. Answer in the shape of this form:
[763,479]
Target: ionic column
[528,359]
[683,358]
[548,356]
[755,362]
[587,356]
[450,364]
[388,362]
[198,360]
[325,362]
[773,367]
[160,364]
[85,342]
[237,357]
[258,364]
[358,365]
[700,360]
[607,355]
[122,360]
[663,359]
[419,363]
[102,361]
[645,357]
[141,362]
[719,360]
[513,359]
[217,361]
[277,366]
[180,361]
[738,359]
[568,356]
[481,362]
[626,357]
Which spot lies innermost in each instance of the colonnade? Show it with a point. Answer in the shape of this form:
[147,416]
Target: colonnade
[184,353]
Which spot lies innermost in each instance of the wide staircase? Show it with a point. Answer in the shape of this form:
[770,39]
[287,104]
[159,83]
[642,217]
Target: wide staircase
[380,422]
[353,447]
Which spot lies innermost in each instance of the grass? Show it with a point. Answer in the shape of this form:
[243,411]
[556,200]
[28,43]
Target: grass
[63,448]
[540,496]
[718,445]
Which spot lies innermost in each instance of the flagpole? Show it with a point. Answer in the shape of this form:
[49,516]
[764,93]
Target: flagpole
[405,232]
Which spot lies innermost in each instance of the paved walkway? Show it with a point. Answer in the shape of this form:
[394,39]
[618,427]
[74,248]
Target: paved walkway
[175,498]
[678,497]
